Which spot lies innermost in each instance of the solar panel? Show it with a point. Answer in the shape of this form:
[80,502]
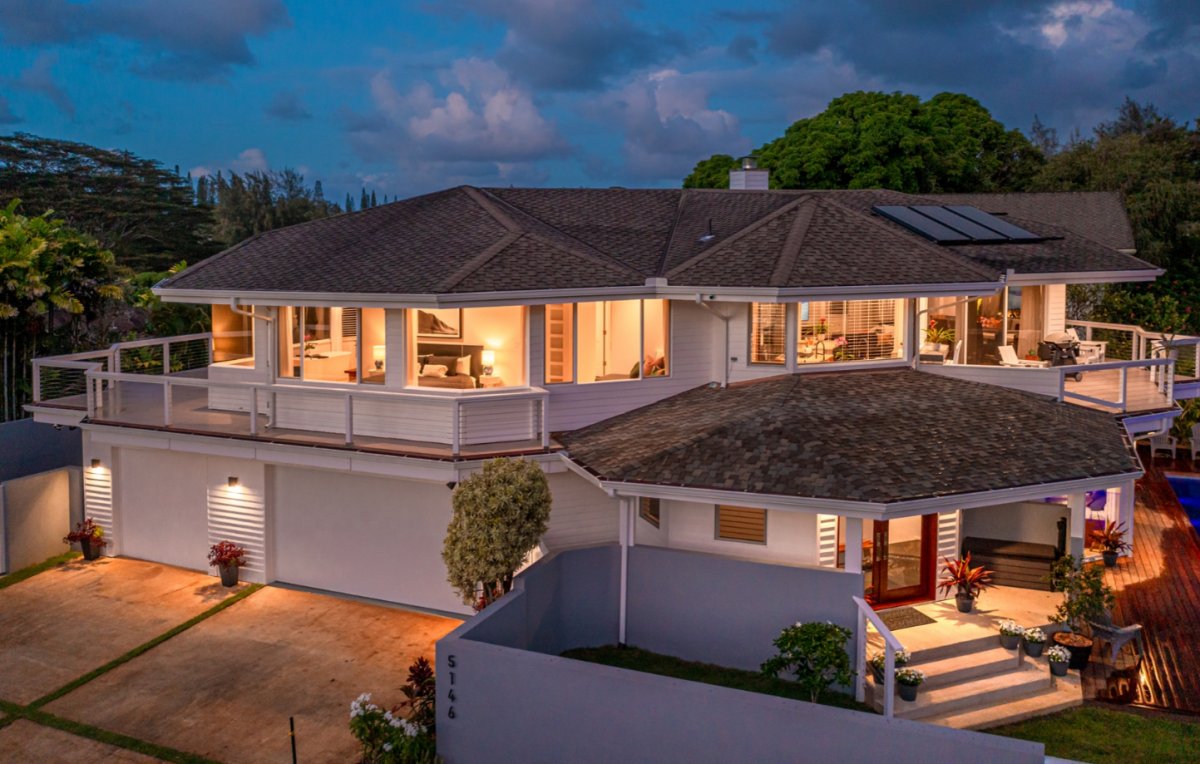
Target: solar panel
[1002,227]
[956,224]
[961,223]
[926,226]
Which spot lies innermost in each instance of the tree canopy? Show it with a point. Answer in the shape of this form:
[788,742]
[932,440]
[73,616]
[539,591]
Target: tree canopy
[245,205]
[949,143]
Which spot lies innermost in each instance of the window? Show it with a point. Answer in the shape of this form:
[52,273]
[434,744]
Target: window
[467,348]
[650,511]
[742,524]
[374,345]
[850,330]
[233,337]
[608,341]
[768,333]
[332,344]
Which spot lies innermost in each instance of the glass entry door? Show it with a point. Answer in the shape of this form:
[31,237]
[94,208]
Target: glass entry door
[901,559]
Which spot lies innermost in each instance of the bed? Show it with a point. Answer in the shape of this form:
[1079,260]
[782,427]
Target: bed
[445,355]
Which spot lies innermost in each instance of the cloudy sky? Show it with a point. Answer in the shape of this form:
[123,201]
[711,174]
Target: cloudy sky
[405,97]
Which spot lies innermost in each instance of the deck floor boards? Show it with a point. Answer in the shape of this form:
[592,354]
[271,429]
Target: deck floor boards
[1158,587]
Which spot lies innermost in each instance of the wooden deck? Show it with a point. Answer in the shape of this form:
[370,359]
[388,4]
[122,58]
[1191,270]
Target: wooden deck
[1158,587]
[1141,393]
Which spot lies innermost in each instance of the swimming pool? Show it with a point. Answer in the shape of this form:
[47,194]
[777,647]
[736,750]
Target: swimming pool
[1187,488]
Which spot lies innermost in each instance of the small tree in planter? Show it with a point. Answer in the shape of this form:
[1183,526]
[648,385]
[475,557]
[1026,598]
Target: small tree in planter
[907,682]
[967,582]
[228,557]
[500,513]
[815,653]
[1085,598]
[1112,542]
[90,538]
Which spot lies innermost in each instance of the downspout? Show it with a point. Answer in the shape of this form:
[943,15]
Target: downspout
[724,320]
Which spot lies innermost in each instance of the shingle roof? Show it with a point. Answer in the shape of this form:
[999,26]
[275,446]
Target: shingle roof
[466,240]
[874,436]
[1098,215]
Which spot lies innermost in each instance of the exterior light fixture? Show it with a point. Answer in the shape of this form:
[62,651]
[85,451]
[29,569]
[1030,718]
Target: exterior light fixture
[488,357]
[233,482]
[95,464]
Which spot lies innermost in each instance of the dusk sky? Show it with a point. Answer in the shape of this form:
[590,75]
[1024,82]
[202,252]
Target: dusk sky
[409,97]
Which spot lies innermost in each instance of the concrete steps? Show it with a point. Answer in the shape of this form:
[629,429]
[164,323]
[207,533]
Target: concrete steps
[1065,693]
[955,669]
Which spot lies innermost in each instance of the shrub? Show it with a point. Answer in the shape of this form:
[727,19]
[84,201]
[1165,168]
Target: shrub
[815,653]
[86,530]
[500,514]
[388,737]
[1058,654]
[226,553]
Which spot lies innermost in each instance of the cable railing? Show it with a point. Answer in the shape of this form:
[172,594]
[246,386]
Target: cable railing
[1127,342]
[891,646]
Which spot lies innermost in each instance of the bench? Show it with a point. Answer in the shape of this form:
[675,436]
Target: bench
[1013,563]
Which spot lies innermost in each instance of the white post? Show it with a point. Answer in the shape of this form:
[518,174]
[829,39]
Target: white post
[860,668]
[455,420]
[254,411]
[625,522]
[90,388]
[545,423]
[854,545]
[166,403]
[37,382]
[1076,503]
[1126,499]
[1124,370]
[349,419]
[166,356]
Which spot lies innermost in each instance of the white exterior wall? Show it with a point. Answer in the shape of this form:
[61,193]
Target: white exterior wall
[581,514]
[161,511]
[98,489]
[791,536]
[1056,307]
[1040,381]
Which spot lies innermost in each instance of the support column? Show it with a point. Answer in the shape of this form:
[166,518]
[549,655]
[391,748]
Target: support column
[854,546]
[1125,505]
[1076,502]
[625,534]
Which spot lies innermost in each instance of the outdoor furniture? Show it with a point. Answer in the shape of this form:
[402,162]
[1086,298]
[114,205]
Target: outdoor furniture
[1104,630]
[1163,442]
[1013,563]
[1195,444]
[1090,351]
[1008,357]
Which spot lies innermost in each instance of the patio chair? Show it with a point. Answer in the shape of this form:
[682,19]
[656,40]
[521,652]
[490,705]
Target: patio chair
[1104,630]
[1195,441]
[954,357]
[1163,442]
[1008,357]
[1090,351]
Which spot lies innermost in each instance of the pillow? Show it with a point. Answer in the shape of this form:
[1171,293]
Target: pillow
[463,366]
[449,361]
[433,370]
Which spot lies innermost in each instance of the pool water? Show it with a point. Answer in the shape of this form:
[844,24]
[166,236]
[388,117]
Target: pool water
[1187,488]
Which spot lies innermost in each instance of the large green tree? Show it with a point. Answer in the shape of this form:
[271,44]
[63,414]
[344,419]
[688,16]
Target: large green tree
[144,213]
[249,204]
[949,143]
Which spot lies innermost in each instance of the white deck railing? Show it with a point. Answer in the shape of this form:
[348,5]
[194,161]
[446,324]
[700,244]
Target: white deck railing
[1133,343]
[1162,374]
[891,646]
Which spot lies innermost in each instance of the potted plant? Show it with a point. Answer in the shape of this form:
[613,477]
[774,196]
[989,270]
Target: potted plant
[1059,659]
[1034,640]
[967,582]
[228,557]
[1085,598]
[90,538]
[822,329]
[879,663]
[1010,634]
[907,682]
[1112,542]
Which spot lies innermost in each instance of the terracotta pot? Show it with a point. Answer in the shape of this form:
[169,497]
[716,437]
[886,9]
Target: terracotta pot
[907,691]
[965,602]
[1079,646]
[229,575]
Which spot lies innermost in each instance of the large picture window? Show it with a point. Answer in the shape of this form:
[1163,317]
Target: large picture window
[332,344]
[850,330]
[233,337]
[607,341]
[768,333]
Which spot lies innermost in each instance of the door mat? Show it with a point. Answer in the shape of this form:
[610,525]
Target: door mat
[903,617]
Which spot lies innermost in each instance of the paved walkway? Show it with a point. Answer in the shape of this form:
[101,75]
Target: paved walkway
[1158,587]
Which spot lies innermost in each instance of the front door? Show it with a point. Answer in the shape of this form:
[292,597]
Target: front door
[901,559]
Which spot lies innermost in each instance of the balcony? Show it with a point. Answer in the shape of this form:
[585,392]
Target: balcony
[165,384]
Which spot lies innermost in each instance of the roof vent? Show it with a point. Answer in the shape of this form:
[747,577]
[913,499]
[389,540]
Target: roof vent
[708,234]
[748,177]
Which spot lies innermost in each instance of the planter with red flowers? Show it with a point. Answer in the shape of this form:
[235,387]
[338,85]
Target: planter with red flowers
[227,557]
[967,582]
[90,538]
[1112,542]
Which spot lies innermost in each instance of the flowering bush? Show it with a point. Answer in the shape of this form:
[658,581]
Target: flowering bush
[910,676]
[226,553]
[1011,629]
[1058,654]
[387,737]
[879,660]
[1034,635]
[87,530]
[816,653]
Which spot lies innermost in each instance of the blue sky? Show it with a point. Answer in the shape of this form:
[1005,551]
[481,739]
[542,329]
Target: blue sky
[406,97]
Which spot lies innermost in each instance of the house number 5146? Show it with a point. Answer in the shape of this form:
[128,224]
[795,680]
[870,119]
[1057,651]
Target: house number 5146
[452,662]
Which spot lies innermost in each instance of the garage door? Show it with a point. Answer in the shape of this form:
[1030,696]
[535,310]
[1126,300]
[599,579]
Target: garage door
[366,536]
[162,507]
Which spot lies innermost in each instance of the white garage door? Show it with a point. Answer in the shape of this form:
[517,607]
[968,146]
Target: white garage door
[367,536]
[162,507]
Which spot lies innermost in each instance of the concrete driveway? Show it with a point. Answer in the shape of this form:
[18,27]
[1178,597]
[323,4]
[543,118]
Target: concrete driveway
[225,688]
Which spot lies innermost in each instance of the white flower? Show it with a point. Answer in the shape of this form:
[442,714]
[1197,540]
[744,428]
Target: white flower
[1034,635]
[387,747]
[1058,654]
[1010,628]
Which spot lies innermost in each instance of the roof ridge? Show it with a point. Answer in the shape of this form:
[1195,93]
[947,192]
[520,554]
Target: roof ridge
[584,250]
[666,251]
[944,252]
[737,235]
[488,203]
[480,260]
[795,240]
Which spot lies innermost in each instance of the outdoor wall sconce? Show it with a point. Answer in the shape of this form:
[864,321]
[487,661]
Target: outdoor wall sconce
[233,482]
[95,464]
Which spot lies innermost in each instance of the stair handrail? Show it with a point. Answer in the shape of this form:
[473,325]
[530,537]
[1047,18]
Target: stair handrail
[892,646]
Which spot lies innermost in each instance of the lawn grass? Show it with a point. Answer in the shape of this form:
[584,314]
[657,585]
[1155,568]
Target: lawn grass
[1103,736]
[637,659]
[17,576]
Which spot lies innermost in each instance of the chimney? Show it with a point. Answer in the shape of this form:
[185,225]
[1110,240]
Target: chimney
[748,177]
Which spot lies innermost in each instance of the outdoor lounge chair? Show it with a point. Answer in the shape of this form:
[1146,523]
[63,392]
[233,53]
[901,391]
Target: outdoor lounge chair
[1090,351]
[1008,357]
[1104,630]
[1163,442]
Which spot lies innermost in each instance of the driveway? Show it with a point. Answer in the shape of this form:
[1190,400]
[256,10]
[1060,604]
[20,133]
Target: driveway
[226,687]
